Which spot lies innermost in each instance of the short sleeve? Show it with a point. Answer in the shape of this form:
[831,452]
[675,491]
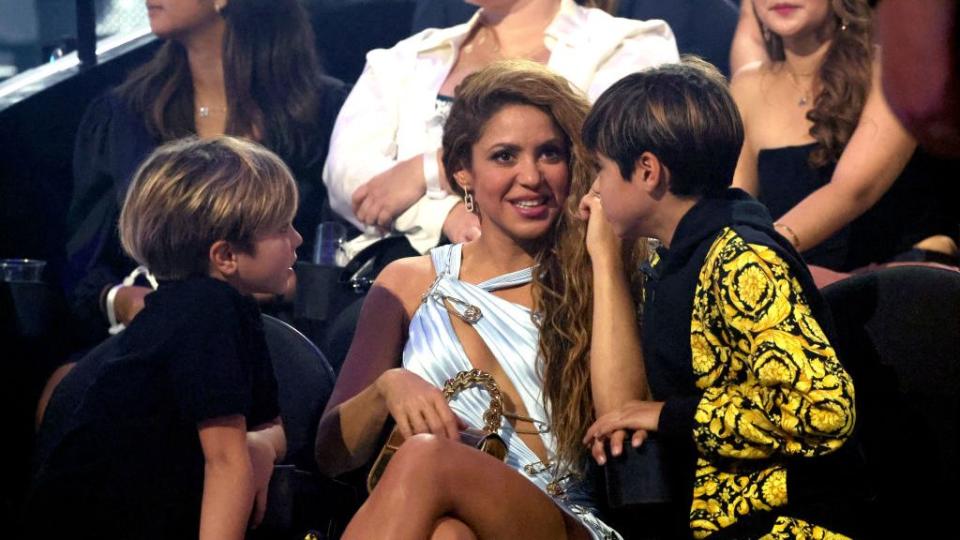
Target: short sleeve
[212,371]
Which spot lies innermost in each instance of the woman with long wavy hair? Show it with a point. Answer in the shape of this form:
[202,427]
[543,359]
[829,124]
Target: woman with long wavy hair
[239,67]
[512,148]
[823,150]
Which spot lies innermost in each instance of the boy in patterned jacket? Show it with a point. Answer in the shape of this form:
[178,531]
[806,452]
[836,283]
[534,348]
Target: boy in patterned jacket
[748,395]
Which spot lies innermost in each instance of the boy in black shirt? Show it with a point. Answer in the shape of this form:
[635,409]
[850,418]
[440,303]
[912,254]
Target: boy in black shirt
[747,391]
[177,432]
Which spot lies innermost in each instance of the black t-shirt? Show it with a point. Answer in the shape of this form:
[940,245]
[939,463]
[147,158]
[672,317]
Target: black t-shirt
[128,462]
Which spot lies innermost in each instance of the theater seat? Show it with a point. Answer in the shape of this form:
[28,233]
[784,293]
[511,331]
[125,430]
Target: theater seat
[304,383]
[300,499]
[899,336]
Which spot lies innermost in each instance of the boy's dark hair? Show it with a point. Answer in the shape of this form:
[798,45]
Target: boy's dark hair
[683,114]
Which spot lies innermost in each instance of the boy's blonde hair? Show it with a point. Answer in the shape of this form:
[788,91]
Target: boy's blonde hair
[193,192]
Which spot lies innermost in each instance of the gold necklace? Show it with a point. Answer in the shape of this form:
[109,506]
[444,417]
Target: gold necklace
[805,95]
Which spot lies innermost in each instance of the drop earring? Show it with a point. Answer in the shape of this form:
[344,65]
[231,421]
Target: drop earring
[468,202]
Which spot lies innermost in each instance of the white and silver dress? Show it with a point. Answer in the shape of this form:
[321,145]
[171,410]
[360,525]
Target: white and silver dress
[434,352]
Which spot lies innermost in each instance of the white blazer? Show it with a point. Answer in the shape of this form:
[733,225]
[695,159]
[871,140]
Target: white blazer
[390,114]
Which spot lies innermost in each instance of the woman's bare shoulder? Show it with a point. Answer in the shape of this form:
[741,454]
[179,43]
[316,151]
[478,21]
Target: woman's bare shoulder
[407,278]
[749,77]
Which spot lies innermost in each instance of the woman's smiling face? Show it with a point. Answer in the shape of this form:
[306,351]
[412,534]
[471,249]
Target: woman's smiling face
[519,173]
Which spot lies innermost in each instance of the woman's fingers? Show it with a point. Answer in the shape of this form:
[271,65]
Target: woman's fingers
[358,197]
[451,423]
[417,421]
[403,425]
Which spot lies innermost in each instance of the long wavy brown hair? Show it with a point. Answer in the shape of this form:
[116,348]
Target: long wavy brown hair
[271,73]
[843,79]
[564,295]
[562,287]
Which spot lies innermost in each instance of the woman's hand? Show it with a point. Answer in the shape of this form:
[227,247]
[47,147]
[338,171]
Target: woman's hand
[637,416]
[461,226]
[416,405]
[602,243]
[390,193]
[129,302]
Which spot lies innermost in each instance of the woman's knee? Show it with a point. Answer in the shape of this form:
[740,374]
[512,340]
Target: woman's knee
[422,455]
[449,528]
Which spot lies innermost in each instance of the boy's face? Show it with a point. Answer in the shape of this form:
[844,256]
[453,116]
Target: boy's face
[625,203]
[268,268]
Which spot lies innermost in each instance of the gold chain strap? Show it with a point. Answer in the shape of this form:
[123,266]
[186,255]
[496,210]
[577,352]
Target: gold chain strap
[465,379]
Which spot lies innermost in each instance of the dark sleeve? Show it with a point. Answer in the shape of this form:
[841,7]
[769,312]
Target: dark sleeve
[265,400]
[211,368]
[109,146]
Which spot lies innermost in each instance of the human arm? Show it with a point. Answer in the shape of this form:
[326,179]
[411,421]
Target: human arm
[744,87]
[371,387]
[617,373]
[877,153]
[791,395]
[110,143]
[772,384]
[377,145]
[747,47]
[228,486]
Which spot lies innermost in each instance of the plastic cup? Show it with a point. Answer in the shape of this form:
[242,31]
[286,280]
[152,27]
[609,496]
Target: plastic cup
[327,249]
[21,270]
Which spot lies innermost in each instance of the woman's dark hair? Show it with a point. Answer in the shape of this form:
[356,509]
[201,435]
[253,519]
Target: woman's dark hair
[682,113]
[843,79]
[271,73]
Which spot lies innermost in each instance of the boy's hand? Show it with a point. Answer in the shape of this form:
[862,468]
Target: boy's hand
[602,243]
[637,416]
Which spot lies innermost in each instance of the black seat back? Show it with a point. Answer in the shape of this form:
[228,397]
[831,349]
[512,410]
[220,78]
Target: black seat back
[899,336]
[304,382]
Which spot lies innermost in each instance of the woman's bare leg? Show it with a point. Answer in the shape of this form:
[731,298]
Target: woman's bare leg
[431,478]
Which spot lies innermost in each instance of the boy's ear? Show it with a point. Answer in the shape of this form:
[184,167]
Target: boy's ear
[649,172]
[223,258]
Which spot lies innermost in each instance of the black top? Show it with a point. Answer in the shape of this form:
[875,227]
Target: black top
[914,208]
[111,142]
[127,461]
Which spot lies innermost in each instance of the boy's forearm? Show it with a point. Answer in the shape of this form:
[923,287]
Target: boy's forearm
[227,498]
[272,434]
[617,371]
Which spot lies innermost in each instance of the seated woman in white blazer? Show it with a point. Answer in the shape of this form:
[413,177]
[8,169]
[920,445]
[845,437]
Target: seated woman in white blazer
[383,172]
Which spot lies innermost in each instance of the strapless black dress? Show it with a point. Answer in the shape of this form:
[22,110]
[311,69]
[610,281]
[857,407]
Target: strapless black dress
[922,202]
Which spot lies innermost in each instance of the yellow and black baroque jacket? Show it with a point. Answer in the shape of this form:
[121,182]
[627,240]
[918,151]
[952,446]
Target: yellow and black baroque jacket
[735,344]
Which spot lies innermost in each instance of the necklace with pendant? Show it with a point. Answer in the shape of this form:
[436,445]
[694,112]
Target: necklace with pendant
[805,97]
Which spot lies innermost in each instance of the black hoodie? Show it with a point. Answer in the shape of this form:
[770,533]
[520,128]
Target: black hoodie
[763,404]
